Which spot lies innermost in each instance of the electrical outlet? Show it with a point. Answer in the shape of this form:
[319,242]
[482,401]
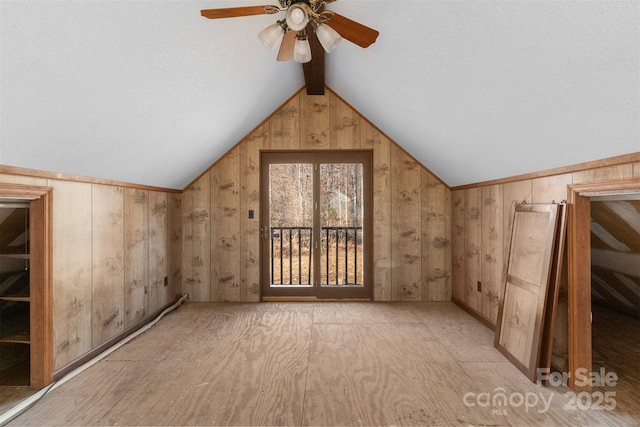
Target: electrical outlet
[479,286]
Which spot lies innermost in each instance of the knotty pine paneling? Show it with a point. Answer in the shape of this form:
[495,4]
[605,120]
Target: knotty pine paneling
[550,189]
[536,190]
[136,255]
[284,127]
[406,224]
[250,227]
[97,235]
[225,228]
[513,192]
[158,245]
[345,124]
[175,233]
[72,270]
[314,122]
[196,253]
[401,258]
[457,244]
[107,218]
[492,251]
[472,247]
[381,176]
[436,239]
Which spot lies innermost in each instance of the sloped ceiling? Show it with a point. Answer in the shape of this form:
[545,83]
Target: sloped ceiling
[152,93]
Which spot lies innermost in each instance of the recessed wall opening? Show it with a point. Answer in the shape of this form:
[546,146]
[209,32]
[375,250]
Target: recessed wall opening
[615,296]
[26,361]
[602,236]
[14,293]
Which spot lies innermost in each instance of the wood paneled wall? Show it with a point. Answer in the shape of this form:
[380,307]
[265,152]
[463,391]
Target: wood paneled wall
[481,216]
[112,248]
[411,208]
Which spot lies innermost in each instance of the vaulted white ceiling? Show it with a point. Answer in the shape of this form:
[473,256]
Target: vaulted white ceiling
[150,92]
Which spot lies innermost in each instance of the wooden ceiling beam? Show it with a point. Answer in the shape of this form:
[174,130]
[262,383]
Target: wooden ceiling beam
[603,214]
[314,69]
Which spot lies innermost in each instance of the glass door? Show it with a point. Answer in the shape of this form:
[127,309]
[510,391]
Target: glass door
[287,225]
[315,225]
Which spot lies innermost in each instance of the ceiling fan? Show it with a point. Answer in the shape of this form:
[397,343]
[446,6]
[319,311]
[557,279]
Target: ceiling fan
[305,33]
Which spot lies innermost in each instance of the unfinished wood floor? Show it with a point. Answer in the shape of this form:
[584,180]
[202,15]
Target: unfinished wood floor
[323,364]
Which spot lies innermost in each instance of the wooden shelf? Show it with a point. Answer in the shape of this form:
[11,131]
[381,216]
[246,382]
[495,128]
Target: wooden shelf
[18,256]
[15,298]
[17,339]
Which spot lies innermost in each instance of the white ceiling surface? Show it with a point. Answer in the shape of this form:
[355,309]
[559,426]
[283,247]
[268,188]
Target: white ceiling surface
[150,92]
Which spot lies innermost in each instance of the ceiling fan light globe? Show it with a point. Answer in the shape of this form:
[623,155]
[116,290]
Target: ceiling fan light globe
[271,36]
[297,17]
[302,51]
[328,37]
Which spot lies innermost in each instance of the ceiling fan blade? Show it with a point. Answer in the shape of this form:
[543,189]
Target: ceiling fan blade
[353,31]
[232,12]
[286,47]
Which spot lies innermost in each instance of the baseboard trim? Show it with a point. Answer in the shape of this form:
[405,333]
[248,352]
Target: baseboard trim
[312,299]
[472,312]
[111,342]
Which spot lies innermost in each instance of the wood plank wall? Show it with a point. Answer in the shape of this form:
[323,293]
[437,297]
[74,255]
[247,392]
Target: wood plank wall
[113,245]
[481,216]
[412,208]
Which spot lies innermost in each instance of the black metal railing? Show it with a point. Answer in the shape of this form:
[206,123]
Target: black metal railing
[292,256]
[289,244]
[340,245]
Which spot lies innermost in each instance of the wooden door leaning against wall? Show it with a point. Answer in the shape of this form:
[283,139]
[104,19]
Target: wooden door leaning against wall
[40,330]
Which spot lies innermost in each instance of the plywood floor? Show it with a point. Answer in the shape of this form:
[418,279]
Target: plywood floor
[323,364]
[616,349]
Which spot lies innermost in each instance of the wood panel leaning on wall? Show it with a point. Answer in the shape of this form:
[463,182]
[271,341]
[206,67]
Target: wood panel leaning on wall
[481,226]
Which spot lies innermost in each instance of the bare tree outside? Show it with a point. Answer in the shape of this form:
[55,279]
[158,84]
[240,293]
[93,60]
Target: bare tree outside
[341,217]
[341,222]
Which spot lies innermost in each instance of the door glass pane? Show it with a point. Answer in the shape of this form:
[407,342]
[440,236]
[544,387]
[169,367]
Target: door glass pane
[290,224]
[341,219]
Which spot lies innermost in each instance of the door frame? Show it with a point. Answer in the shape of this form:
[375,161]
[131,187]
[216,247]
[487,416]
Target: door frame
[318,292]
[41,319]
[579,265]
